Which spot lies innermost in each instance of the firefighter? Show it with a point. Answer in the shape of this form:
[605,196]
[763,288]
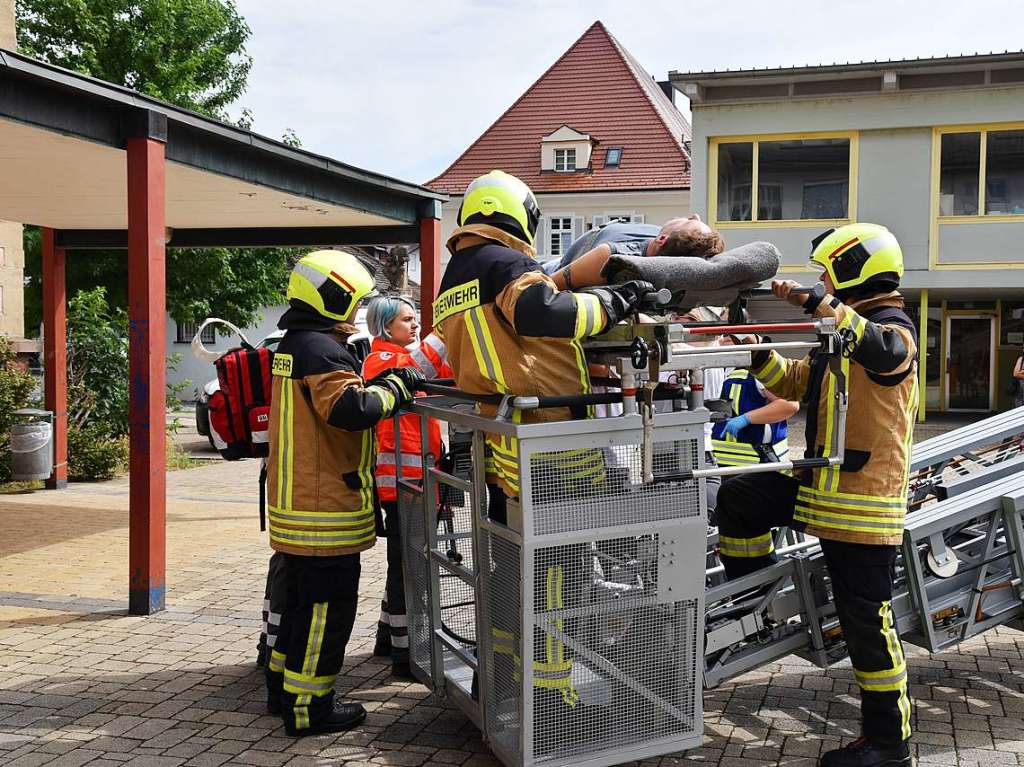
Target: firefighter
[508,329]
[756,430]
[320,484]
[857,509]
[392,322]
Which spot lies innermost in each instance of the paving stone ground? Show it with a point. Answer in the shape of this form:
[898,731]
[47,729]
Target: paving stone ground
[83,683]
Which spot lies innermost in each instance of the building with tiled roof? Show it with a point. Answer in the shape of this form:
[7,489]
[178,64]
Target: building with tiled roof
[595,137]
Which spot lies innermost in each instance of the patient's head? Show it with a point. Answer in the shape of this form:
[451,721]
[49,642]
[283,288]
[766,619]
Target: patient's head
[687,236]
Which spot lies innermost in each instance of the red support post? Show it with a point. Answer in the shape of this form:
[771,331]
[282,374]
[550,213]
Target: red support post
[55,353]
[147,551]
[430,264]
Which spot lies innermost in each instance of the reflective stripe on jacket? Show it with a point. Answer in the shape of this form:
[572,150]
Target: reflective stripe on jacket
[741,391]
[507,329]
[383,356]
[320,494]
[864,500]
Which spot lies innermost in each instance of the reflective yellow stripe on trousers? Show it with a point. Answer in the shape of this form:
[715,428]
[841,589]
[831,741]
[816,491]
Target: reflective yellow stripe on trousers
[894,678]
[746,548]
[305,685]
[555,673]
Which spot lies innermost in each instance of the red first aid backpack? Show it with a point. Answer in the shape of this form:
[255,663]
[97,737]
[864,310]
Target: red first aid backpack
[240,409]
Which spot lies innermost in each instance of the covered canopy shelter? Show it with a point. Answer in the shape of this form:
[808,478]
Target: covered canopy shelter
[101,166]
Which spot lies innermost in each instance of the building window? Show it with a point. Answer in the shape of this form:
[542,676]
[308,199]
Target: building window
[1011,324]
[188,330]
[565,160]
[618,218]
[613,157]
[968,157]
[803,179]
[959,175]
[559,235]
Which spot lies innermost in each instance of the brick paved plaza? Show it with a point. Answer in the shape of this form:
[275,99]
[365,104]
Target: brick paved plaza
[83,683]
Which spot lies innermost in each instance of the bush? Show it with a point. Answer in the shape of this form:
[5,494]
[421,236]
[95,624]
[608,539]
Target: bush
[94,454]
[16,387]
[97,363]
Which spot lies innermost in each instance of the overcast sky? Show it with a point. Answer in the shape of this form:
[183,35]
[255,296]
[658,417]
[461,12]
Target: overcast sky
[403,87]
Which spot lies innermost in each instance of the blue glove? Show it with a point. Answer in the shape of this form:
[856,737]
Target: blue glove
[734,425]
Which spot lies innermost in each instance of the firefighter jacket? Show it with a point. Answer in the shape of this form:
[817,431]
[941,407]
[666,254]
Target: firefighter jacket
[742,391]
[385,355]
[508,329]
[864,500]
[320,469]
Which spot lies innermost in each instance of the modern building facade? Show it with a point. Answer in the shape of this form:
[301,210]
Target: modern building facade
[596,138]
[931,148]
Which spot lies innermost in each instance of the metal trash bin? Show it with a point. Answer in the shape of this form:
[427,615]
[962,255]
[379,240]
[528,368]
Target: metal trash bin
[32,445]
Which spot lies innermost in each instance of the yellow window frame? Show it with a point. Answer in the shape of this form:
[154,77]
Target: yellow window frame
[936,175]
[755,139]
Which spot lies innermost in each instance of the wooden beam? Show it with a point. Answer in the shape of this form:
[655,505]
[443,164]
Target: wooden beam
[430,269]
[55,345]
[146,375]
[114,239]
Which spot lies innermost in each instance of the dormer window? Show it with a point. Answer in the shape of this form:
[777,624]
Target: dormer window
[565,160]
[613,157]
[566,150]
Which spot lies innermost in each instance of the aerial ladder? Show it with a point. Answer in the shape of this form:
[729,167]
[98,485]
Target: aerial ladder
[583,629]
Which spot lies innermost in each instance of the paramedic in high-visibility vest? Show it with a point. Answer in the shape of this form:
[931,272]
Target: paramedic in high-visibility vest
[756,430]
[856,509]
[320,492]
[508,329]
[392,323]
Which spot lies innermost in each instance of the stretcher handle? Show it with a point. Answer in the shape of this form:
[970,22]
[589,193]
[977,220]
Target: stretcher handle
[800,290]
[767,327]
[657,298]
[528,402]
[724,471]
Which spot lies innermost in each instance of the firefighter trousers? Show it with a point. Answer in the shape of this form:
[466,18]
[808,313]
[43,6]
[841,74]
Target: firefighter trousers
[393,626]
[317,622]
[558,585]
[274,596]
[749,506]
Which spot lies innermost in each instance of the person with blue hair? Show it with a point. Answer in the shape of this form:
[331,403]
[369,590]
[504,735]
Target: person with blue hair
[393,324]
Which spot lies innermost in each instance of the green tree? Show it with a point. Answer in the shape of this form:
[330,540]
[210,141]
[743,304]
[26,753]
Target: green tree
[230,283]
[188,52]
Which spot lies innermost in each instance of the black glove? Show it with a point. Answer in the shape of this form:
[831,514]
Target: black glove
[401,382]
[619,301]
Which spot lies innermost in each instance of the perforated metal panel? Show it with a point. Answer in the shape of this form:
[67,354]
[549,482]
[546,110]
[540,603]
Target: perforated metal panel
[417,580]
[586,617]
[455,540]
[591,488]
[630,655]
[501,575]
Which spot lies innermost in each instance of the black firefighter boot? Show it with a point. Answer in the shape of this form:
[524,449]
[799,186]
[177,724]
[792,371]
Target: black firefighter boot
[863,753]
[341,717]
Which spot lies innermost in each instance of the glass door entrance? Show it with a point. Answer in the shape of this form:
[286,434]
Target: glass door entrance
[970,344]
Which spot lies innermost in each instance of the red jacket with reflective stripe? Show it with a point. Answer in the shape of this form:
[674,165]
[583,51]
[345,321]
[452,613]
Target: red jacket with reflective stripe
[429,358]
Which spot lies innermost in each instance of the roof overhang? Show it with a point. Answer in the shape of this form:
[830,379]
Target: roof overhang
[865,78]
[62,140]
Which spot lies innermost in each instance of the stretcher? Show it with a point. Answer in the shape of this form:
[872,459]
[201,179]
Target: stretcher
[582,627]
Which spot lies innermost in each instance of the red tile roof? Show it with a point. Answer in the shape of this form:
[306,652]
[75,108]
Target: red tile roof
[598,88]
